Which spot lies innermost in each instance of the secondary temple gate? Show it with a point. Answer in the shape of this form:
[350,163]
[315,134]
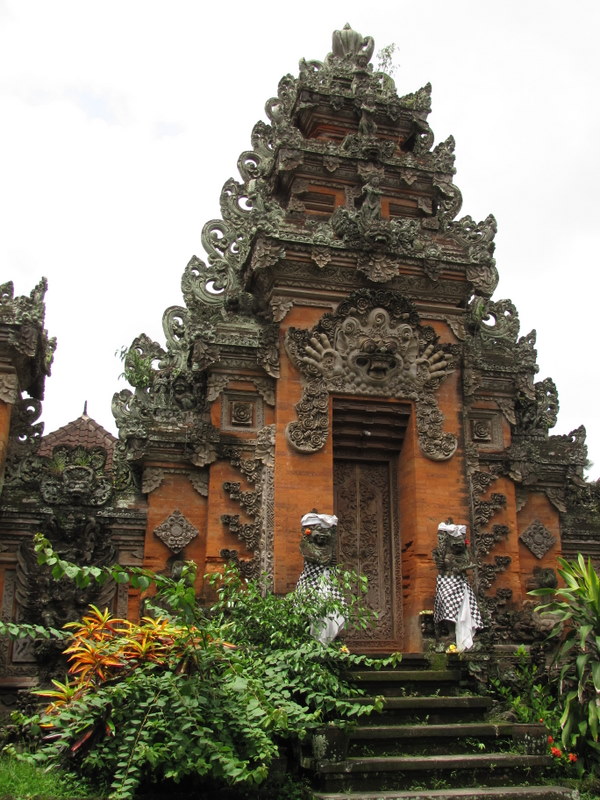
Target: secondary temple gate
[339,350]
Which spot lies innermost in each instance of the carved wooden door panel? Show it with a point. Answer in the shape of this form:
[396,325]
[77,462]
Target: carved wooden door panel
[369,543]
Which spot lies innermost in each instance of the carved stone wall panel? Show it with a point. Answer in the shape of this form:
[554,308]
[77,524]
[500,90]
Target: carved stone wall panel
[241,411]
[485,429]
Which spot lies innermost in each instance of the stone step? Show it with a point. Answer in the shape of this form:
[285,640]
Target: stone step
[465,737]
[406,676]
[399,773]
[427,709]
[409,660]
[437,763]
[461,730]
[485,793]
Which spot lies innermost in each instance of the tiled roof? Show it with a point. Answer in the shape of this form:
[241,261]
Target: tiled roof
[83,431]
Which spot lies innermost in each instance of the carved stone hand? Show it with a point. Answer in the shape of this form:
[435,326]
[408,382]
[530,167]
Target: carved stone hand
[321,356]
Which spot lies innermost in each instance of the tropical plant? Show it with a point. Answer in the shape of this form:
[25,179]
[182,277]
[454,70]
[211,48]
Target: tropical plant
[188,693]
[576,606]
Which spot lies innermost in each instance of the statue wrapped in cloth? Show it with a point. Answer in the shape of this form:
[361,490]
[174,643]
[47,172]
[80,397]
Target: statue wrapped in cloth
[455,600]
[318,546]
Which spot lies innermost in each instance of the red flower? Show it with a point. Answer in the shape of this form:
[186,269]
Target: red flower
[307,531]
[551,740]
[572,757]
[556,752]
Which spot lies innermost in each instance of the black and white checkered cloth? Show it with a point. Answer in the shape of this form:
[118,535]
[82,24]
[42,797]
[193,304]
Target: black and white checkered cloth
[449,593]
[315,578]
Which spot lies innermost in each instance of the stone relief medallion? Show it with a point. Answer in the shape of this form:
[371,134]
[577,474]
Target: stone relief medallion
[372,345]
[176,532]
[538,539]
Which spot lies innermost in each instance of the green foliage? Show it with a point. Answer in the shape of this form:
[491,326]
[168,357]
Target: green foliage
[207,695]
[385,59]
[525,687]
[137,369]
[22,781]
[577,609]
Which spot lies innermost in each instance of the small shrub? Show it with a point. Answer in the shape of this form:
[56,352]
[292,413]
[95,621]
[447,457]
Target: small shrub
[188,693]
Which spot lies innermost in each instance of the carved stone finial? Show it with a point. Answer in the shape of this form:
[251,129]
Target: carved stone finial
[349,45]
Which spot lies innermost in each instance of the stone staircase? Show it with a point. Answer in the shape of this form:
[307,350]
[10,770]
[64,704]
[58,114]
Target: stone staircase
[432,740]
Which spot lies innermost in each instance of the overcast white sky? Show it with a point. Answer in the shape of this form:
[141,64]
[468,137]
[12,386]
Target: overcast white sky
[120,121]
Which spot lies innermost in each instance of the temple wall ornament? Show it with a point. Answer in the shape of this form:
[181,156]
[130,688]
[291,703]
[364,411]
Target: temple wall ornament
[199,480]
[9,388]
[248,568]
[538,539]
[486,429]
[372,345]
[241,411]
[246,532]
[152,477]
[176,532]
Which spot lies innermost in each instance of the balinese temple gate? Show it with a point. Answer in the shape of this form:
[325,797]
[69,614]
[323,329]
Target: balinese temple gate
[339,349]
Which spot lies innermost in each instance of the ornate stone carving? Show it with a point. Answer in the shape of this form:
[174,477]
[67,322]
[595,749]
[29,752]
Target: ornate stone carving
[249,569]
[37,598]
[9,388]
[152,478]
[266,254]
[248,533]
[199,480]
[540,412]
[486,541]
[484,510]
[487,573]
[378,267]
[249,500]
[75,476]
[280,307]
[215,385]
[176,532]
[538,539]
[349,46]
[372,345]
[321,256]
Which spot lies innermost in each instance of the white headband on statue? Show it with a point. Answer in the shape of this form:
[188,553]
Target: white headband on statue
[312,519]
[453,530]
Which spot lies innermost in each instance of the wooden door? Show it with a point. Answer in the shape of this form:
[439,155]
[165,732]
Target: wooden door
[368,542]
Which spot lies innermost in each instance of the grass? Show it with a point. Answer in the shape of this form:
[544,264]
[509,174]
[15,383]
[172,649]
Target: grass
[21,781]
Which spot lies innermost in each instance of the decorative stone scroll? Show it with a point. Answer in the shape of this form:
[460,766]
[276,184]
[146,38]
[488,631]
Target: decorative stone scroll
[372,345]
[176,532]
